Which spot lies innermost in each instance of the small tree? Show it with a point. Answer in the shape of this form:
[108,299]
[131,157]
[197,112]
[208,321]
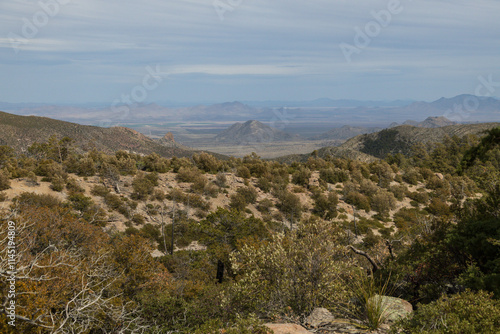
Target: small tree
[301,270]
[4,179]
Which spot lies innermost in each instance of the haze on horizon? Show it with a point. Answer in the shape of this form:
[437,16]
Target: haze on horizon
[75,51]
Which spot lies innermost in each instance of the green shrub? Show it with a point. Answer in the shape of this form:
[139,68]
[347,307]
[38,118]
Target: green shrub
[80,202]
[302,270]
[138,219]
[438,207]
[206,162]
[238,202]
[464,313]
[412,176]
[211,190]
[4,179]
[331,175]
[186,174]
[289,204]
[360,201]
[33,199]
[152,232]
[86,167]
[115,202]
[368,188]
[57,184]
[193,200]
[243,171]
[326,206]
[158,195]
[248,193]
[265,205]
[50,169]
[399,191]
[99,190]
[301,177]
[419,196]
[143,185]
[383,201]
[154,163]
[221,180]
[73,187]
[264,184]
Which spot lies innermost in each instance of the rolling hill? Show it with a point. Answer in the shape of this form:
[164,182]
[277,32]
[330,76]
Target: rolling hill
[20,132]
[252,132]
[399,139]
[345,132]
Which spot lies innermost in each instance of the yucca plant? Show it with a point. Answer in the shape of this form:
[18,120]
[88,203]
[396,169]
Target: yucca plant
[367,305]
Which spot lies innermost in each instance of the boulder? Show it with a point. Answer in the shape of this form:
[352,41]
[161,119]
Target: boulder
[287,329]
[319,317]
[395,308]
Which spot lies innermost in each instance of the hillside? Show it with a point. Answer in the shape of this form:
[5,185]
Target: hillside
[252,132]
[20,132]
[429,122]
[345,132]
[170,236]
[398,139]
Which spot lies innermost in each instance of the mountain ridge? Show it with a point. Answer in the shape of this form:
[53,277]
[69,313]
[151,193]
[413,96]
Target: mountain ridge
[399,139]
[20,132]
[252,131]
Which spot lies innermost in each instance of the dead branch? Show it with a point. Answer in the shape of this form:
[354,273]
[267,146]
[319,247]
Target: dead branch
[368,257]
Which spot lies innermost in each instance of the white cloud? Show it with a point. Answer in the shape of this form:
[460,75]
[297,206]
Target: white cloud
[100,41]
[215,69]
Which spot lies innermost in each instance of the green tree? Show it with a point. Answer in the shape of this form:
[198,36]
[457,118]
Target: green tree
[222,230]
[302,270]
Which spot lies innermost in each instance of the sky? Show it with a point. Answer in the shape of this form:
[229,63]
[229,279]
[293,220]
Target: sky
[122,51]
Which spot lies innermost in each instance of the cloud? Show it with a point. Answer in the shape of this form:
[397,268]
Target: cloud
[294,43]
[215,69]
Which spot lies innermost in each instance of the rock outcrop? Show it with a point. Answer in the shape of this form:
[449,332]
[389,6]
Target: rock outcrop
[287,329]
[319,317]
[394,308]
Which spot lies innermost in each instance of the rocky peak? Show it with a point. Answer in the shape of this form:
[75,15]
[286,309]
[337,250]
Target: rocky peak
[169,136]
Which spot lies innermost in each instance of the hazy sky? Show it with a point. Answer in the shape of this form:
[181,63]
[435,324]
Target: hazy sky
[225,50]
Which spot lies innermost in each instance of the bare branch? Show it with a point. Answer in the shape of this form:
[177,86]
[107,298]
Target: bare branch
[368,257]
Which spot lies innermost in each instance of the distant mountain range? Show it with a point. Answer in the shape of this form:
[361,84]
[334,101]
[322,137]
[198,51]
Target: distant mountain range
[462,109]
[326,102]
[20,132]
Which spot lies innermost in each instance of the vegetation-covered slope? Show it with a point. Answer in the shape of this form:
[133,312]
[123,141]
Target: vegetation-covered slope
[20,132]
[103,239]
